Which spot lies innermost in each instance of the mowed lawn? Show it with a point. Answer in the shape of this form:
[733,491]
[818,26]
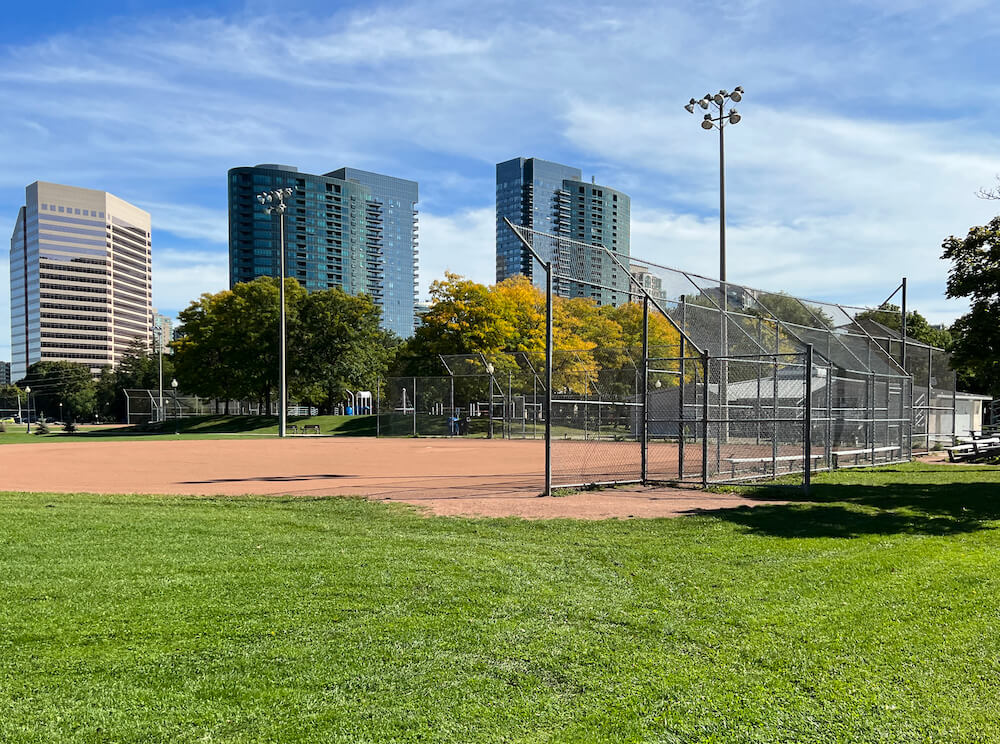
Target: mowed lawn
[870,614]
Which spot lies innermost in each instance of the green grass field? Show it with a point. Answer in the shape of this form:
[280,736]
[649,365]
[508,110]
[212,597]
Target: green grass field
[869,614]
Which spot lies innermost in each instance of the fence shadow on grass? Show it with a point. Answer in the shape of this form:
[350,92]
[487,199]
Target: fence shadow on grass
[854,510]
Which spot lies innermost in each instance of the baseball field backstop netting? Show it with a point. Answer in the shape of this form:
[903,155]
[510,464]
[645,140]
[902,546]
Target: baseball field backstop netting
[729,383]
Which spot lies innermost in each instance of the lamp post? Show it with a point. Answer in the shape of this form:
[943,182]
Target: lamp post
[719,122]
[60,413]
[27,392]
[274,202]
[177,405]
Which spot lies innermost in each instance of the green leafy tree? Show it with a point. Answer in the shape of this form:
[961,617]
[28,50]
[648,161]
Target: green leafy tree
[68,383]
[791,310]
[228,345]
[975,275]
[917,327]
[337,346]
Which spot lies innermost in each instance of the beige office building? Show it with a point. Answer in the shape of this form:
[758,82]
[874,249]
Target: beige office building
[80,278]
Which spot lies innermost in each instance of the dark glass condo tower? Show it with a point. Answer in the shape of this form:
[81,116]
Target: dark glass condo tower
[552,198]
[350,229]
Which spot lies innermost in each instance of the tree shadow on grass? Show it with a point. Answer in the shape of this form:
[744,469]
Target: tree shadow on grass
[839,510]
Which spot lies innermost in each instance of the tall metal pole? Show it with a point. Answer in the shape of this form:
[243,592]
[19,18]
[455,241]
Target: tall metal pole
[548,379]
[903,327]
[680,410]
[807,423]
[274,201]
[704,419]
[722,204]
[644,437]
[161,416]
[282,370]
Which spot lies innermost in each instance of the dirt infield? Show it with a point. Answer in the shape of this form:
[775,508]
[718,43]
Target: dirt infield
[446,477]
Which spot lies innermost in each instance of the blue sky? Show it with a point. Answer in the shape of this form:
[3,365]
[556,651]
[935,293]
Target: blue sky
[867,126]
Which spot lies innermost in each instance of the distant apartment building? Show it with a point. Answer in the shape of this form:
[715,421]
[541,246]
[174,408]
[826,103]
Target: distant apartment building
[552,198]
[162,332]
[351,229]
[649,281]
[80,278]
[5,373]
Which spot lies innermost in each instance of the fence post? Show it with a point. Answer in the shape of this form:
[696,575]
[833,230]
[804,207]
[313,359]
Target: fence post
[774,419]
[508,407]
[930,397]
[807,439]
[704,419]
[548,379]
[414,404]
[828,429]
[871,424]
[378,407]
[680,422]
[954,409]
[644,435]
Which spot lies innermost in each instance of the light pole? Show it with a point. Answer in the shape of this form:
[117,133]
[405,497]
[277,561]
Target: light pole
[489,371]
[27,393]
[177,405]
[274,202]
[159,336]
[719,122]
[708,123]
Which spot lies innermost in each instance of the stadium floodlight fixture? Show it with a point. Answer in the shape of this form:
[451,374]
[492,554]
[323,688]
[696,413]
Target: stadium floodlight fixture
[707,122]
[734,118]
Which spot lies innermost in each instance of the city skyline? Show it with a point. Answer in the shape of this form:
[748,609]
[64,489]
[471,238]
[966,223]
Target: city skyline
[860,149]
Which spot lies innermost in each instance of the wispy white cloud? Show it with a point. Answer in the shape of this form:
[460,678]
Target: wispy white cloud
[189,221]
[462,244]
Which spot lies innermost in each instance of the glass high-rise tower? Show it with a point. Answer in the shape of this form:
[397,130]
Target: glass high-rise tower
[552,198]
[349,229]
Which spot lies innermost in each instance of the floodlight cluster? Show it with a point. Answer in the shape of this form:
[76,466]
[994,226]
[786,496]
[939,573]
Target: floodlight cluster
[719,99]
[274,201]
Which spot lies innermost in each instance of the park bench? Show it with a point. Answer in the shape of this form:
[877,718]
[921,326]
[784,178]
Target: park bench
[310,429]
[858,453]
[292,429]
[960,452]
[986,446]
[734,461]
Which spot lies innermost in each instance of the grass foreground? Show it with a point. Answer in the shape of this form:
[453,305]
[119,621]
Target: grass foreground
[867,614]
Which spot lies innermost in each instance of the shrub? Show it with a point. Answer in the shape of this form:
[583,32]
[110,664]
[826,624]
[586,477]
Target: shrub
[41,428]
[71,428]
